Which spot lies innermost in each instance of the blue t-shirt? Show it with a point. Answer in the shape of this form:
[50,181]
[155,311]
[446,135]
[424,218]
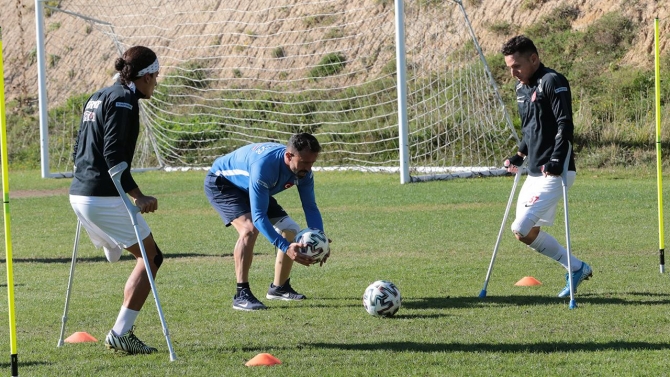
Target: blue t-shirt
[260,170]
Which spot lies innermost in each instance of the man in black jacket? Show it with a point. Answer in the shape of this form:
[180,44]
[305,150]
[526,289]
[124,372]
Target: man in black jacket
[107,136]
[545,106]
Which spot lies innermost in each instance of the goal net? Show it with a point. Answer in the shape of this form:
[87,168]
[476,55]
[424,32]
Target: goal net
[238,72]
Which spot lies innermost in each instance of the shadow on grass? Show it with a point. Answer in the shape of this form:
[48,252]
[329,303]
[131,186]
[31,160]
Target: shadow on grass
[541,347]
[469,302]
[22,364]
[125,257]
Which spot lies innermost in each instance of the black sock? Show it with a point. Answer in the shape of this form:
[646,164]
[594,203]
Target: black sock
[241,286]
[272,285]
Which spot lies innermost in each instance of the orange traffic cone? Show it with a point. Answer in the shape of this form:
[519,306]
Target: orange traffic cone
[80,337]
[527,282]
[263,359]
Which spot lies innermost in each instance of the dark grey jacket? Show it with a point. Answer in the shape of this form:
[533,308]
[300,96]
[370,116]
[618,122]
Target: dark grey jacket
[545,107]
[107,135]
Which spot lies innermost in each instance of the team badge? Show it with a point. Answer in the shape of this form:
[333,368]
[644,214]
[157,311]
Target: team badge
[532,200]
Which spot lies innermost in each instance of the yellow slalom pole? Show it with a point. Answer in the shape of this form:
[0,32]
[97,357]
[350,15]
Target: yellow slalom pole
[659,170]
[5,202]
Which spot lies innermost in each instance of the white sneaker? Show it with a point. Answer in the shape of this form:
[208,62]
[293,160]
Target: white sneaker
[114,254]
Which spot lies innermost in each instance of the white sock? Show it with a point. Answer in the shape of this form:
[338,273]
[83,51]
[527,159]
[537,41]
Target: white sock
[125,320]
[547,245]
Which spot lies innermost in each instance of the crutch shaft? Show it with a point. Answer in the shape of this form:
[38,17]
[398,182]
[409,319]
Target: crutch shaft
[517,177]
[69,283]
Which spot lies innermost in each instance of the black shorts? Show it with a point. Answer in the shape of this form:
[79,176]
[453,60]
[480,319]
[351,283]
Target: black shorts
[232,202]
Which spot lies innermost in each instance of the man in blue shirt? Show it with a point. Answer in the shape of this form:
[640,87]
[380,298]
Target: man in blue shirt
[241,186]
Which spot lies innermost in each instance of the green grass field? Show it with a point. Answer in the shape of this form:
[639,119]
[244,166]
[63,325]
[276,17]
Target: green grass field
[433,240]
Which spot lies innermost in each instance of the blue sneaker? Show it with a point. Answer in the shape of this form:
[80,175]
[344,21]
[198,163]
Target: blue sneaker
[578,276]
[245,300]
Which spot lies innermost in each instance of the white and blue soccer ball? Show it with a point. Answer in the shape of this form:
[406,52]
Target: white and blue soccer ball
[316,241]
[382,299]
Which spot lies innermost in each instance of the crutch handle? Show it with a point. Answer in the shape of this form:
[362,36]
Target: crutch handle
[118,169]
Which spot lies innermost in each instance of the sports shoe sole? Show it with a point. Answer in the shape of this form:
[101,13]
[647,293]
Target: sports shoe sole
[283,298]
[111,347]
[249,309]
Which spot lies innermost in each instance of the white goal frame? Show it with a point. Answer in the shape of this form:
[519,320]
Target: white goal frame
[409,164]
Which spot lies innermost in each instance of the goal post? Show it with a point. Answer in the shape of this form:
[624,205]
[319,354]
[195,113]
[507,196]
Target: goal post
[385,85]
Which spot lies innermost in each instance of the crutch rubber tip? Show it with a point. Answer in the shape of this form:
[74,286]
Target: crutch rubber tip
[573,304]
[482,294]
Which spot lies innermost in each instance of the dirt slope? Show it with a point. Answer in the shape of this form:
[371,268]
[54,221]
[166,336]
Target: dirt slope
[18,28]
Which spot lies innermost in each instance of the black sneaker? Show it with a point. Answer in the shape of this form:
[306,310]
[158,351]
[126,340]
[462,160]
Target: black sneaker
[284,292]
[128,343]
[245,300]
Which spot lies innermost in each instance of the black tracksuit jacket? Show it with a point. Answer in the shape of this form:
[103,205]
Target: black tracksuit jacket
[107,135]
[545,107]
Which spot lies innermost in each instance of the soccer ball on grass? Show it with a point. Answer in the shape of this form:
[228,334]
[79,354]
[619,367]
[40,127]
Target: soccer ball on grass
[382,299]
[316,241]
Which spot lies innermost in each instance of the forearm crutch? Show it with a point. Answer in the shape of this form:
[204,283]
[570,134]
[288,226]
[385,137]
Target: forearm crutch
[69,284]
[115,173]
[517,177]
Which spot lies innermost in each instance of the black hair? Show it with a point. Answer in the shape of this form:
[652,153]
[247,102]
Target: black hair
[134,60]
[521,44]
[302,141]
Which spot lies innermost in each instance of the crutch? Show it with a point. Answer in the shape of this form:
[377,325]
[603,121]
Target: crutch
[69,283]
[115,173]
[517,177]
[568,246]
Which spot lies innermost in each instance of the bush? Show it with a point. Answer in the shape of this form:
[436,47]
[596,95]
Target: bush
[329,65]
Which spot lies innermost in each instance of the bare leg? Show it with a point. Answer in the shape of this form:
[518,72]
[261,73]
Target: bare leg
[244,247]
[137,286]
[283,264]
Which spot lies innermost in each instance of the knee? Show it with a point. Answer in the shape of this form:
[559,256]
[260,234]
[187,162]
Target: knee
[522,228]
[248,233]
[289,234]
[158,259]
[154,253]
[287,227]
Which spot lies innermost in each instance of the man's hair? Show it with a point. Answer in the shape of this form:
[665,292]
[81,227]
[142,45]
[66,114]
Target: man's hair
[304,141]
[521,44]
[134,60]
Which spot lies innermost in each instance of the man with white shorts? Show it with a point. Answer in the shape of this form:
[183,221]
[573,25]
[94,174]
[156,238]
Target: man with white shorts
[107,136]
[545,106]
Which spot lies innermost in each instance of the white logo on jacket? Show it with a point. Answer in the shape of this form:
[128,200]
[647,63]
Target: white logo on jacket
[93,105]
[89,116]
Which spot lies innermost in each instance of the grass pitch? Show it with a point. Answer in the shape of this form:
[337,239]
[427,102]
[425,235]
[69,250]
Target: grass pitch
[433,240]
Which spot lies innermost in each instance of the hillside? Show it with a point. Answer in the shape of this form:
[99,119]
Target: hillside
[18,28]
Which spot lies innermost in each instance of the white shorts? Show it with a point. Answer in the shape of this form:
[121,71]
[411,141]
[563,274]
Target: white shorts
[107,223]
[539,197]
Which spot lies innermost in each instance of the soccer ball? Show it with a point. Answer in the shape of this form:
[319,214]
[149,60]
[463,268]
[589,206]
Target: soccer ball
[317,243]
[382,299]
